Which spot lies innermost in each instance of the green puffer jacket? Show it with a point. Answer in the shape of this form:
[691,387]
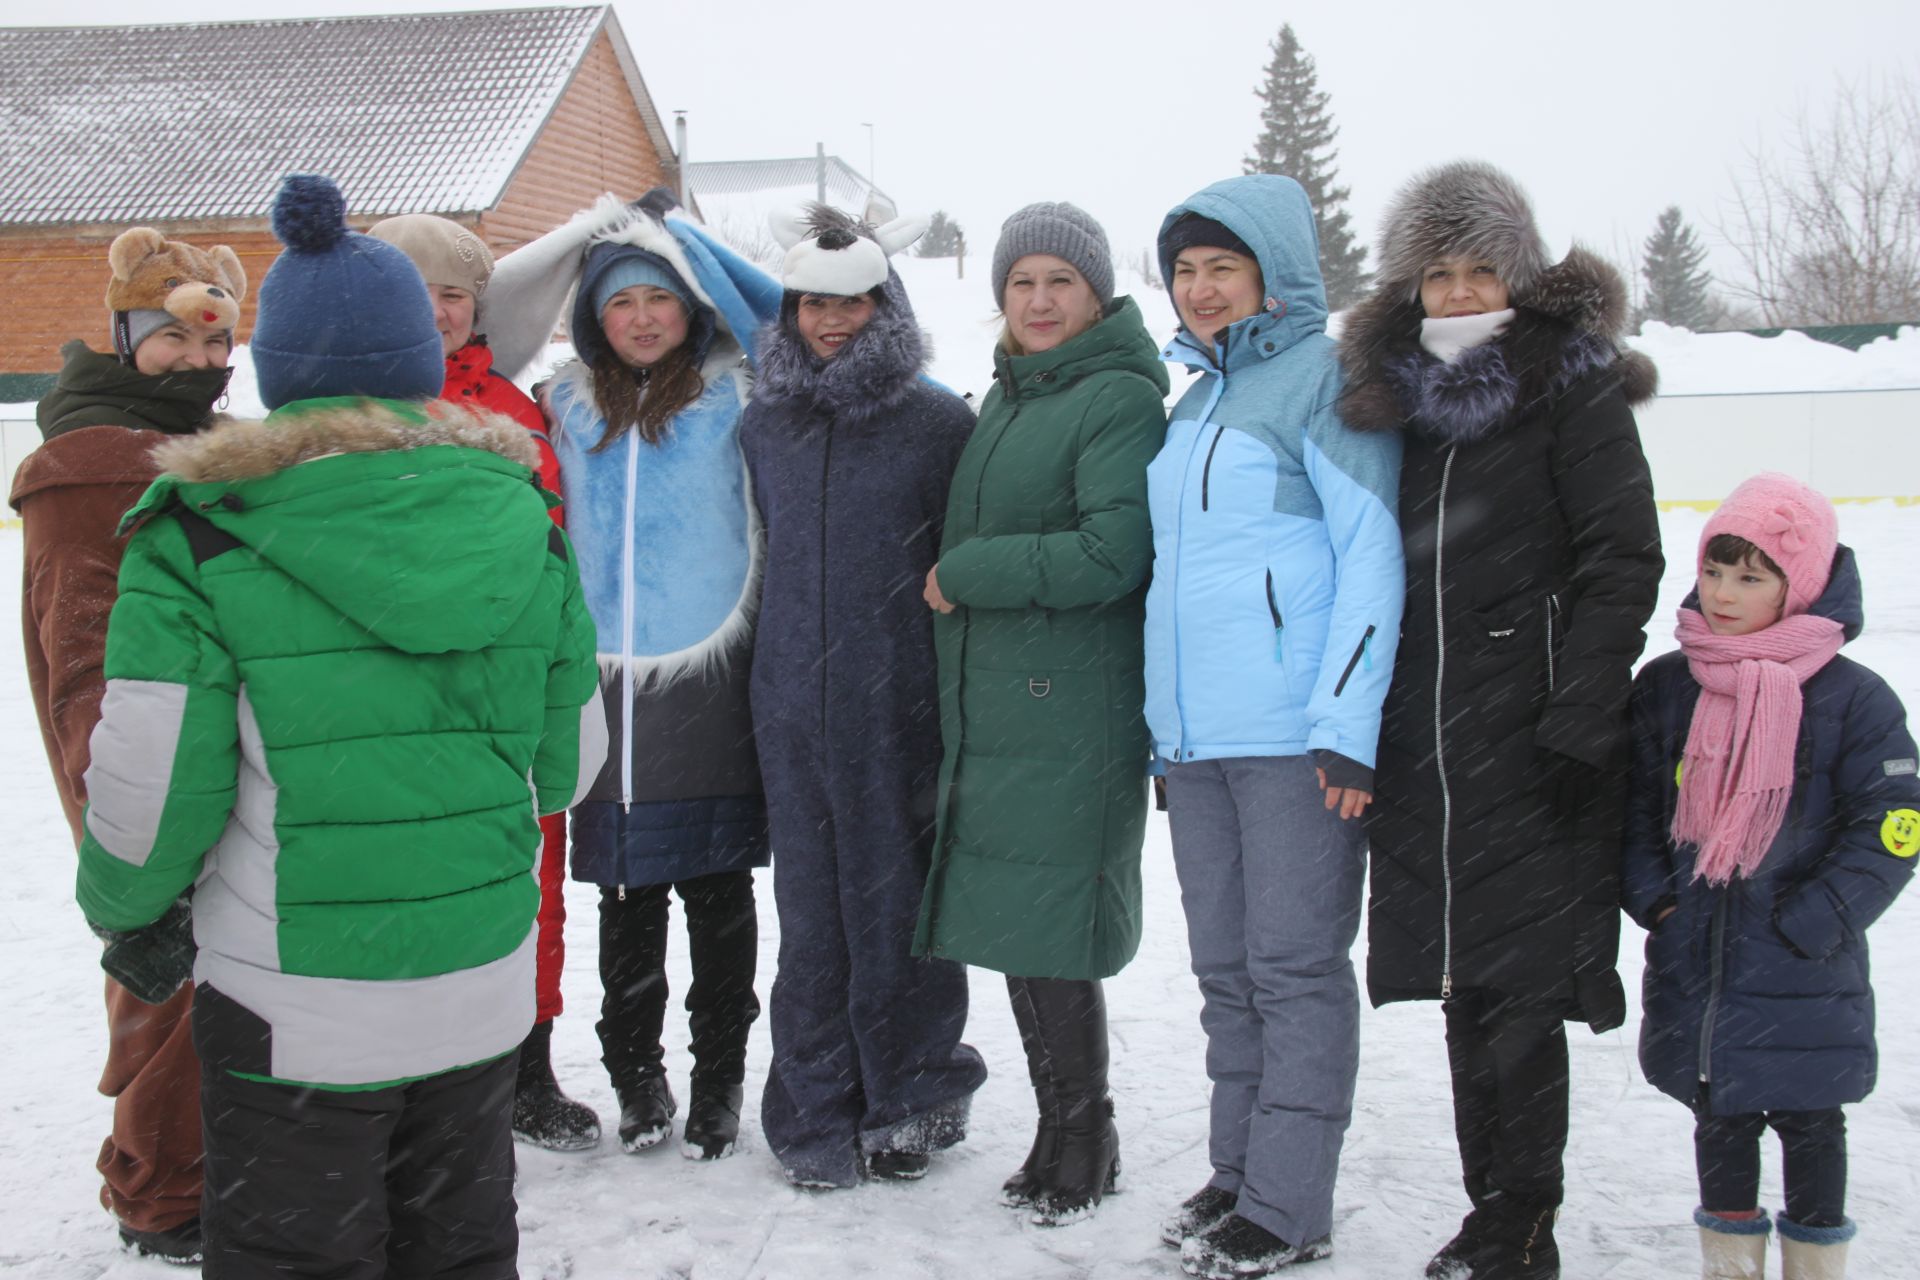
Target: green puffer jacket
[1036,867]
[348,666]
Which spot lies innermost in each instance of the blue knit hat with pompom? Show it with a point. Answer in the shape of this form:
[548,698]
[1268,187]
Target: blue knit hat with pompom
[341,314]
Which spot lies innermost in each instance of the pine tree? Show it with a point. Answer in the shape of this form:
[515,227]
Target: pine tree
[942,239]
[1296,139]
[1677,288]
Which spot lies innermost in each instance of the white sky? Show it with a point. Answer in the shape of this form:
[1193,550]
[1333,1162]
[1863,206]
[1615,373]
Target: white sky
[1606,112]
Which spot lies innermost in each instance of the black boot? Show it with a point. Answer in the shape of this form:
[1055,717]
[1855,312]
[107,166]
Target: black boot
[1018,1191]
[646,1112]
[1518,1242]
[1455,1259]
[542,1115]
[1071,1020]
[713,1121]
[181,1246]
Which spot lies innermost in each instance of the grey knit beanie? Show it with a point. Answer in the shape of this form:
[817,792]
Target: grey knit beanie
[1066,231]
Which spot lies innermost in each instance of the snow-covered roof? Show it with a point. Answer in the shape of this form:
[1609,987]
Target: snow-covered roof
[408,112]
[739,194]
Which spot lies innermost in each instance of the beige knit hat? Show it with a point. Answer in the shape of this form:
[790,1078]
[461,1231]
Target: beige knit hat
[445,252]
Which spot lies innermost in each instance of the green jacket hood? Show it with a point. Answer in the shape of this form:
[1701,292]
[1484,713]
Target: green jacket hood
[392,513]
[1119,342]
[97,390]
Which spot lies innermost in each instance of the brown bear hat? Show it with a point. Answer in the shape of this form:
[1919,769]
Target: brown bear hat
[157,281]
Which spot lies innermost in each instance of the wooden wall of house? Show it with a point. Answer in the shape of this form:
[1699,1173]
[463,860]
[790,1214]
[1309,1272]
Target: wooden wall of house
[594,142]
[56,287]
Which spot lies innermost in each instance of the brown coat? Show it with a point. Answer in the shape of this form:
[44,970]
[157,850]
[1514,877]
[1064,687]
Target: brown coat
[71,493]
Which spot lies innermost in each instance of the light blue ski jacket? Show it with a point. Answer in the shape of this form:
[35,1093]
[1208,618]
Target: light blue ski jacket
[1274,608]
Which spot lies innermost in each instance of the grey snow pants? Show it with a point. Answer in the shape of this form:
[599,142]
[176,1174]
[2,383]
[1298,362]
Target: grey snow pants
[1272,885]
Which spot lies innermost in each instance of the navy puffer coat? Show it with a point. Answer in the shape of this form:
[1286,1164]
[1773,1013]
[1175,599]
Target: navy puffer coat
[1759,990]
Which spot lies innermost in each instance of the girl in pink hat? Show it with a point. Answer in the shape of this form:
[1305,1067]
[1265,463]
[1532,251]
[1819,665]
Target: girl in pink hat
[1774,813]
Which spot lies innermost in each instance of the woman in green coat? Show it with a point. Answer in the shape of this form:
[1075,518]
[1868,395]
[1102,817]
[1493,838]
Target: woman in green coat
[1040,588]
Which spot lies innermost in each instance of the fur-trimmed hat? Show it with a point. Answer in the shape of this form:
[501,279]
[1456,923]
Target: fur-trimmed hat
[1793,523]
[445,252]
[157,281]
[1466,208]
[832,252]
[341,314]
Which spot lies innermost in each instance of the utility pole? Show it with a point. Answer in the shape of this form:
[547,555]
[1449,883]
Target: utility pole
[820,172]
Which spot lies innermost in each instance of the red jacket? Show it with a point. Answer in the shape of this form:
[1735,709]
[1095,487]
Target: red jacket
[471,381]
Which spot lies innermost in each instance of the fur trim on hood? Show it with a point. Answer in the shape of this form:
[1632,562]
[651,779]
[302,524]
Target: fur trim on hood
[237,451]
[869,375]
[1568,326]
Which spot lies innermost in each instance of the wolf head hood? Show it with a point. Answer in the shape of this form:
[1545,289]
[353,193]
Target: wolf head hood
[1274,218]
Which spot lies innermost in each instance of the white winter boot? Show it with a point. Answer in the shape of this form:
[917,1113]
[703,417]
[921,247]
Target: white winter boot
[1814,1253]
[1732,1248]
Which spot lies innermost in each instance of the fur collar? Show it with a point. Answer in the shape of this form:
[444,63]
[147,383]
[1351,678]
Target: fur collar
[247,450]
[1568,327]
[871,374]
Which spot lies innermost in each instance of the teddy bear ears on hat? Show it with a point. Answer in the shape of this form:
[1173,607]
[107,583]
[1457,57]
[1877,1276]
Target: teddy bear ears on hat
[153,273]
[835,253]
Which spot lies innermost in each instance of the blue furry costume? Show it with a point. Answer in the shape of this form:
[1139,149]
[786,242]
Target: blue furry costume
[851,459]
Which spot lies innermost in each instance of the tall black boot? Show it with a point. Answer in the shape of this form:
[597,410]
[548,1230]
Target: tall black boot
[1018,1191]
[1070,1018]
[723,942]
[542,1115]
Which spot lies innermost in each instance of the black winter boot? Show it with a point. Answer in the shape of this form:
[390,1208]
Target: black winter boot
[1071,1019]
[1018,1191]
[1455,1259]
[646,1112]
[713,1121]
[1236,1249]
[181,1246]
[542,1115]
[1518,1243]
[1199,1213]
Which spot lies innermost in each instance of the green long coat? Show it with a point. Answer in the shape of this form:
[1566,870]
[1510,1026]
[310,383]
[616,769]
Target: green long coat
[1043,789]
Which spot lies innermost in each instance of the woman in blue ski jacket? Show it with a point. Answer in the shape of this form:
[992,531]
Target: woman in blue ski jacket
[1271,624]
[646,426]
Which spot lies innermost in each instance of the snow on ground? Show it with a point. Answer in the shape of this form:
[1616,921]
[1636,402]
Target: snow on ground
[604,1215]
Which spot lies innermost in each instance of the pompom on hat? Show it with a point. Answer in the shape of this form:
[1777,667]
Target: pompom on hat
[341,314]
[833,253]
[1793,523]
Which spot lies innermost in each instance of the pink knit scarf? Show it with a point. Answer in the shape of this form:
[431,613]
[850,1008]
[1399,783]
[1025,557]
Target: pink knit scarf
[1737,773]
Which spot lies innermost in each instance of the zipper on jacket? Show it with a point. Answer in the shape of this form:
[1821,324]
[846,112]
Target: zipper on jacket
[1439,732]
[1206,472]
[826,476]
[1359,651]
[1180,751]
[1553,608]
[626,626]
[1716,969]
[1273,608]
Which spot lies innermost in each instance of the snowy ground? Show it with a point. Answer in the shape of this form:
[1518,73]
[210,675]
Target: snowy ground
[605,1215]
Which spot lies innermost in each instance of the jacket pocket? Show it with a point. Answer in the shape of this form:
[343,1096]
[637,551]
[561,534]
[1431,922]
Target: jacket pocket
[1362,652]
[1273,611]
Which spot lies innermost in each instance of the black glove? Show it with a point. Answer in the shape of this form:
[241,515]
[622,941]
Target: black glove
[155,961]
[1568,784]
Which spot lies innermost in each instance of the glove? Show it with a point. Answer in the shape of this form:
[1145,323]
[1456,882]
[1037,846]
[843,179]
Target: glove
[1569,785]
[155,961]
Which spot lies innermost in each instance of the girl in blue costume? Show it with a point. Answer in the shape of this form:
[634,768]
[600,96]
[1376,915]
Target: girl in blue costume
[646,426]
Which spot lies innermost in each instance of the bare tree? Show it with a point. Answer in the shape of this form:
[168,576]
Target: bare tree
[1829,231]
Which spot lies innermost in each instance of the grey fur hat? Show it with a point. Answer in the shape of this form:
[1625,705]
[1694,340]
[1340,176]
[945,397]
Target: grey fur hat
[1064,230]
[1467,207]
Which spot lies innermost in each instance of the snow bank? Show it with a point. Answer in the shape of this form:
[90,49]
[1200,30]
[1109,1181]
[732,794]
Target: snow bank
[1704,364]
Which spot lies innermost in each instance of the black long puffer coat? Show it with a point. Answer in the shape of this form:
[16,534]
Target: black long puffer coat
[1533,561]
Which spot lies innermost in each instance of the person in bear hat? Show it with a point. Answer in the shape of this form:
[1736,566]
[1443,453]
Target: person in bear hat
[1757,880]
[457,266]
[172,308]
[350,645]
[1533,562]
[851,451]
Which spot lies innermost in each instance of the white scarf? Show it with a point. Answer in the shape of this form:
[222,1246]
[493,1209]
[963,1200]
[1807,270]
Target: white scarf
[1447,336]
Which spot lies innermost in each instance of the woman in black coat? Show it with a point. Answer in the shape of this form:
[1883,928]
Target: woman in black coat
[1533,561]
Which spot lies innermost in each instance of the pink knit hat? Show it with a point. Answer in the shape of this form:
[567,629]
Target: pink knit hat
[1793,523]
